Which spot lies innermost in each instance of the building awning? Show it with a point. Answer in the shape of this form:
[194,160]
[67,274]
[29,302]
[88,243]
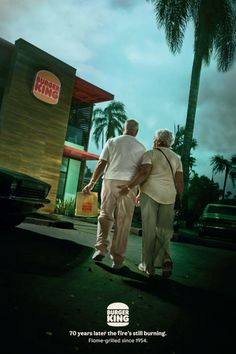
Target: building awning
[79,154]
[89,93]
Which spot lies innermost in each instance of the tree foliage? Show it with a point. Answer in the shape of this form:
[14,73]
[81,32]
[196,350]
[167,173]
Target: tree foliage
[220,164]
[178,145]
[214,33]
[108,122]
[202,191]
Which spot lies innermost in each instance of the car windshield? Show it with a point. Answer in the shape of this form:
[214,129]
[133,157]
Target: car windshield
[221,210]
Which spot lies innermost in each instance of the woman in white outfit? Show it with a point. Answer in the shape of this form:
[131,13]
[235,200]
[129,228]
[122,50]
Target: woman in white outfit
[160,178]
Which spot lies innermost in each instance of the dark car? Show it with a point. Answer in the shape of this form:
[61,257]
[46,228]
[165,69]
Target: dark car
[218,220]
[20,195]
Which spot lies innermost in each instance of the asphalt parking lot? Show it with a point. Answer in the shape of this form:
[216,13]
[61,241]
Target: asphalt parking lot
[54,297]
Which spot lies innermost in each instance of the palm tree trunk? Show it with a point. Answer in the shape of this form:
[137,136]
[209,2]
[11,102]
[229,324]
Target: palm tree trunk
[191,112]
[225,180]
[102,138]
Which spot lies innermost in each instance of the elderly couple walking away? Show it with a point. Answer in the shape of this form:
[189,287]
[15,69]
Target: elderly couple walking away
[132,174]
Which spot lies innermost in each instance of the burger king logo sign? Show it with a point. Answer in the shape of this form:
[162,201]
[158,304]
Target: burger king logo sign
[47,87]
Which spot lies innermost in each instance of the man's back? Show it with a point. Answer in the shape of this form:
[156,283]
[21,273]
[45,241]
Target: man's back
[123,155]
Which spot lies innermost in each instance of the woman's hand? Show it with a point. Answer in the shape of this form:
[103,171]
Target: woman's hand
[137,200]
[124,189]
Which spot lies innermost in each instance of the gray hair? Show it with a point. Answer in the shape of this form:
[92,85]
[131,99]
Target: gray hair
[166,136]
[131,124]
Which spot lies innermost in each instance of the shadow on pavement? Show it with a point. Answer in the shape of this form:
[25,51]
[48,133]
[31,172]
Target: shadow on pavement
[211,314]
[124,272]
[50,286]
[179,294]
[29,252]
[205,315]
[171,290]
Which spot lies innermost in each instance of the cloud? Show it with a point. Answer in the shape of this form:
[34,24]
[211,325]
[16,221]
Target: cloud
[60,28]
[116,45]
[124,4]
[151,53]
[217,112]
[12,11]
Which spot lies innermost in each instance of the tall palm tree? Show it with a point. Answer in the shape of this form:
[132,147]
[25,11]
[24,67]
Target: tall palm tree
[109,121]
[215,30]
[177,147]
[220,164]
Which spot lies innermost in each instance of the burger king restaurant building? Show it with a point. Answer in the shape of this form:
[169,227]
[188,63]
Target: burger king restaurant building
[45,118]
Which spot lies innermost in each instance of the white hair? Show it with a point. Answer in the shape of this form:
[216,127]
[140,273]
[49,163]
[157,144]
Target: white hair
[131,124]
[166,136]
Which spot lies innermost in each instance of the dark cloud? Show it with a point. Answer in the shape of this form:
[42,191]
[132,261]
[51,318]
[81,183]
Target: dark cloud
[216,115]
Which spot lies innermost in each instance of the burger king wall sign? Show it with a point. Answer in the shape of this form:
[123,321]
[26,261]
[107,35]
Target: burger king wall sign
[47,87]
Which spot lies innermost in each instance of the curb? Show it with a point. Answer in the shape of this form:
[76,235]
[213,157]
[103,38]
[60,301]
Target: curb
[181,235]
[53,223]
[193,238]
[136,231]
[38,221]
[62,222]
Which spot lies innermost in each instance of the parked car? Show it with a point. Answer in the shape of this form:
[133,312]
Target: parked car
[218,220]
[20,195]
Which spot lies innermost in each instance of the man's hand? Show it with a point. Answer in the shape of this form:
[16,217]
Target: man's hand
[96,174]
[87,189]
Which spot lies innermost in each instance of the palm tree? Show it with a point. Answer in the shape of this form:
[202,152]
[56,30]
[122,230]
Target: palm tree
[109,121]
[220,164]
[215,30]
[178,145]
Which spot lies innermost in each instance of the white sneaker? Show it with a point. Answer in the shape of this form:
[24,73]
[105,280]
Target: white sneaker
[141,268]
[117,265]
[149,273]
[98,256]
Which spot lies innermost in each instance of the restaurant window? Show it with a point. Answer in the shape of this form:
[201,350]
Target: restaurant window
[79,124]
[62,178]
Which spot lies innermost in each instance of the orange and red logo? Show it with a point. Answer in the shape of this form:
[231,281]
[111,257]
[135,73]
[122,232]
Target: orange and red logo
[47,87]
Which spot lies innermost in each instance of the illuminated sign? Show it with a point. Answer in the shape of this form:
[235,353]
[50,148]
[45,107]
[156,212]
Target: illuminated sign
[47,87]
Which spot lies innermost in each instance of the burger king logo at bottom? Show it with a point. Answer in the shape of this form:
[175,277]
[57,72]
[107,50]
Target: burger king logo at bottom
[117,314]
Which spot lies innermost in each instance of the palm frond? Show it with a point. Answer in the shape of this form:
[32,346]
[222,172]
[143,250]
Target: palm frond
[109,121]
[173,16]
[219,163]
[225,37]
[97,114]
[232,175]
[233,160]
[233,169]
[98,132]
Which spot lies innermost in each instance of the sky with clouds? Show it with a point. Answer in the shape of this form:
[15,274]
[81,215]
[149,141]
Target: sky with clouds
[116,45]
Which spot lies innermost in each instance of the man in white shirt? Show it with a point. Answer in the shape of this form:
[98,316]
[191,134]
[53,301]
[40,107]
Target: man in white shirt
[119,160]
